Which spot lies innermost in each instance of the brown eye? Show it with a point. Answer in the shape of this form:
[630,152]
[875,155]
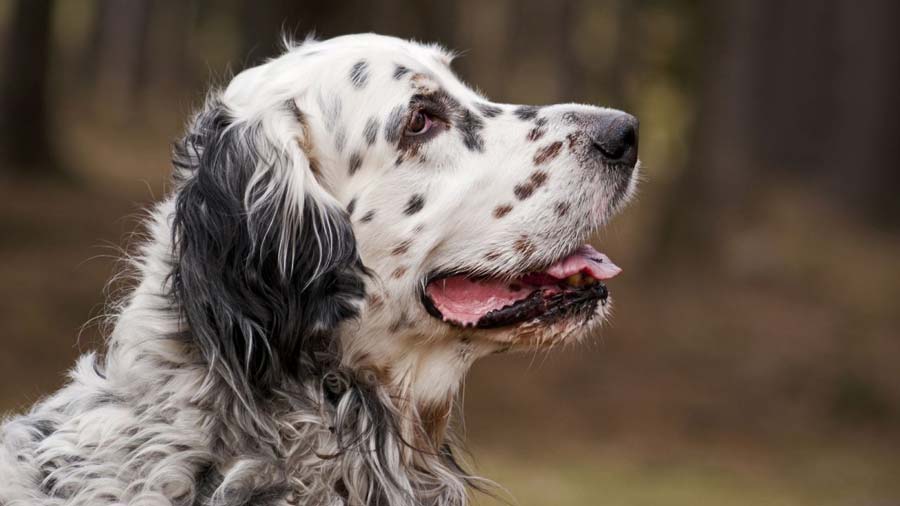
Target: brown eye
[419,123]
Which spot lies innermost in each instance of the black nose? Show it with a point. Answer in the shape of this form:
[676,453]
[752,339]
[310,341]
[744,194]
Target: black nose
[615,137]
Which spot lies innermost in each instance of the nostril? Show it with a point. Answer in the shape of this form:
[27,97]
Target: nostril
[615,146]
[629,138]
[617,139]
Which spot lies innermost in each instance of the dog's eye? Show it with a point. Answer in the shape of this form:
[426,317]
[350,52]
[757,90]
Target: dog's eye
[419,123]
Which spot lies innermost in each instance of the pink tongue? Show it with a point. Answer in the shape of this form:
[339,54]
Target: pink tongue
[465,301]
[585,259]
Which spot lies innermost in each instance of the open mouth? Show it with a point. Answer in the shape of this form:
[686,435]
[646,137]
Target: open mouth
[570,286]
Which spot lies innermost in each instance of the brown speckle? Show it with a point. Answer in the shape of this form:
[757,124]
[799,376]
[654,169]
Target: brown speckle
[305,144]
[375,301]
[535,180]
[547,153]
[538,178]
[398,272]
[523,191]
[368,216]
[524,246]
[491,256]
[314,167]
[536,133]
[562,208]
[401,248]
[573,141]
[501,211]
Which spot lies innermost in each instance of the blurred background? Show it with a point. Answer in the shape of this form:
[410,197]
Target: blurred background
[754,357]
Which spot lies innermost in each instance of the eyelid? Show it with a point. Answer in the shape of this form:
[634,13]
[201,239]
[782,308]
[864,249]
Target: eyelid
[427,104]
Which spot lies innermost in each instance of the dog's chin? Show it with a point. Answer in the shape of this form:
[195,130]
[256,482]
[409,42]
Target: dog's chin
[542,332]
[562,299]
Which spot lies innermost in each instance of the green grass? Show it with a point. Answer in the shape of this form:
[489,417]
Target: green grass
[815,477]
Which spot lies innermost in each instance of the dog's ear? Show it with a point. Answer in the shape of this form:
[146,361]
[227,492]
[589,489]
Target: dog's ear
[266,264]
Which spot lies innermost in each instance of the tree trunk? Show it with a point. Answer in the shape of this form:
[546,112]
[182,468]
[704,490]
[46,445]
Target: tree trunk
[789,95]
[25,147]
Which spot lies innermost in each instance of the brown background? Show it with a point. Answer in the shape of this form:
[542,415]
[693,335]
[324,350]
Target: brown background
[753,357]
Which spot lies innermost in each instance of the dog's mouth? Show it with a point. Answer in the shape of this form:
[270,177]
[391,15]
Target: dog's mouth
[571,285]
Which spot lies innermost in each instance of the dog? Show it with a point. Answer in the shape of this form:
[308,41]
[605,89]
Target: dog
[349,228]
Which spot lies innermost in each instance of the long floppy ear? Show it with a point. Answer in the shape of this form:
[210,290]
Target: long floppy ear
[266,264]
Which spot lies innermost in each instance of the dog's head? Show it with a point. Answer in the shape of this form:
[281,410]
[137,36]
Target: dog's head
[353,198]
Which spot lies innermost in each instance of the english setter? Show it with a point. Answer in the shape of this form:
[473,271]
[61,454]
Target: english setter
[350,227]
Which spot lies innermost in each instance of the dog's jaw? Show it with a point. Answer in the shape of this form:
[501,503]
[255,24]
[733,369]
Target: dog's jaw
[424,363]
[422,366]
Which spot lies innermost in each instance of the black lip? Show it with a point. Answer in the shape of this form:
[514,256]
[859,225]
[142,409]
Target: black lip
[548,308]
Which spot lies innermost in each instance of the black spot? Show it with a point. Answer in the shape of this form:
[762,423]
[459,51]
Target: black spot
[400,71]
[331,108]
[98,369]
[572,118]
[394,124]
[371,130]
[43,429]
[488,110]
[471,125]
[526,112]
[415,204]
[340,488]
[340,139]
[207,480]
[104,398]
[355,163]
[48,483]
[359,74]
[351,206]
[368,216]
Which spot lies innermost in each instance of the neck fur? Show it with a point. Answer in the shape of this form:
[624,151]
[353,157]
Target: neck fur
[360,432]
